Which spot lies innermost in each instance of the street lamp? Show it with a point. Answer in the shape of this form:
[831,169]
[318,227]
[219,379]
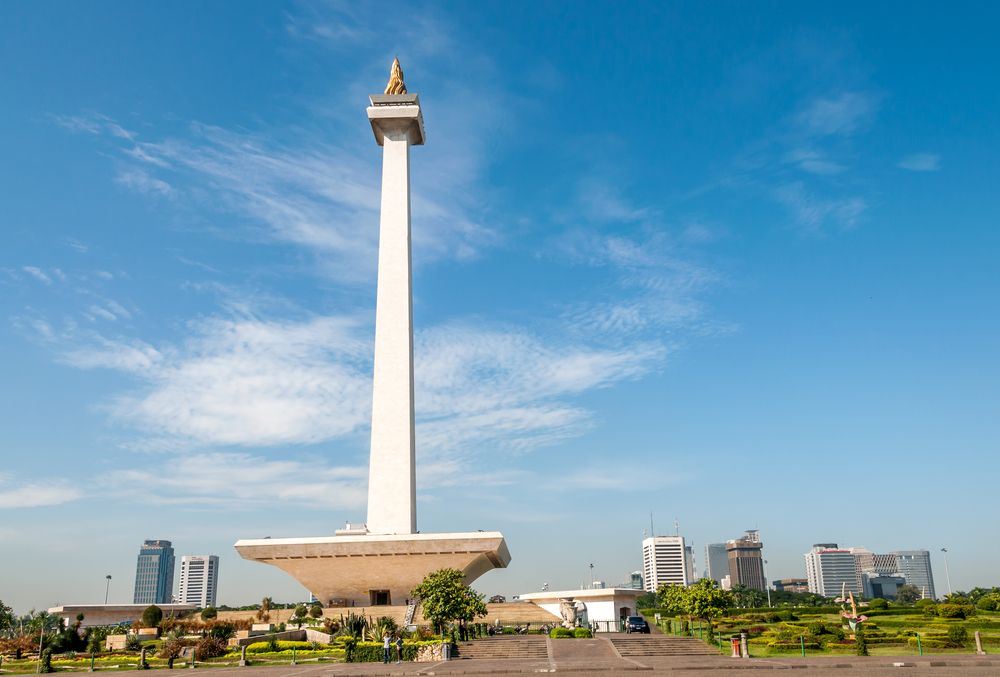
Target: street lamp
[591,575]
[947,574]
[767,585]
[107,588]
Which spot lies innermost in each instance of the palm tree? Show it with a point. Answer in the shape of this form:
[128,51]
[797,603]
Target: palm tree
[264,615]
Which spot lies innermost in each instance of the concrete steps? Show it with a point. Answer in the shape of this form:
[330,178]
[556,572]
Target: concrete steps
[505,646]
[635,644]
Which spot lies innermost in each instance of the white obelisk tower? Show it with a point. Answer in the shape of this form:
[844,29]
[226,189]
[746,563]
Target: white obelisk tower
[384,561]
[392,505]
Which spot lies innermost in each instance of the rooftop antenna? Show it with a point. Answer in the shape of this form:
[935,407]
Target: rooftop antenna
[652,532]
[677,527]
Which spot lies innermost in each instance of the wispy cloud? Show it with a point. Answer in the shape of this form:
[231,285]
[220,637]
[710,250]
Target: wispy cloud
[841,114]
[241,481]
[17,494]
[37,273]
[143,182]
[921,162]
[816,214]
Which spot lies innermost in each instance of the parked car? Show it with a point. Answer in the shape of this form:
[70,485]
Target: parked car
[636,624]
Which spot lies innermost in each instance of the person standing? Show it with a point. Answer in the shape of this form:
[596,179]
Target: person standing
[399,648]
[385,647]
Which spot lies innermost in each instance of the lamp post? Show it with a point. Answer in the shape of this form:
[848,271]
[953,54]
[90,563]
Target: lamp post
[107,588]
[767,585]
[591,575]
[947,574]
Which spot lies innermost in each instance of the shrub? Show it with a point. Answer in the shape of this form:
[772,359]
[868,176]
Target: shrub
[816,629]
[957,636]
[133,643]
[274,647]
[211,647]
[171,648]
[878,603]
[924,603]
[987,604]
[955,610]
[46,663]
[582,633]
[561,633]
[209,613]
[369,652]
[152,616]
[316,610]
[860,643]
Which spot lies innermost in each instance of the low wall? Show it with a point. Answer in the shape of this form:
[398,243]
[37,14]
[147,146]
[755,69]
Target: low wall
[304,635]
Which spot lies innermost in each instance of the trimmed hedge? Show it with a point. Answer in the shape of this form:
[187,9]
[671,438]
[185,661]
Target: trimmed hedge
[561,633]
[371,652]
[582,633]
[266,647]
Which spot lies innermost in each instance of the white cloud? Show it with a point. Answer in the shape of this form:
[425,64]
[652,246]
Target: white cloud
[37,273]
[921,162]
[143,182]
[243,481]
[816,215]
[813,162]
[14,494]
[842,114]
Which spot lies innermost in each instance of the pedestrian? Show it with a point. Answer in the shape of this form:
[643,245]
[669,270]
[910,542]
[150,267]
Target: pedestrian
[385,647]
[399,648]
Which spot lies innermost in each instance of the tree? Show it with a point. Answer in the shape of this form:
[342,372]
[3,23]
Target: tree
[445,597]
[747,598]
[671,597]
[209,613]
[152,616]
[316,610]
[300,611]
[8,622]
[705,599]
[263,614]
[908,594]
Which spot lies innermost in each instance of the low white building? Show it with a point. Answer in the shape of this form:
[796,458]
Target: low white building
[601,608]
[111,614]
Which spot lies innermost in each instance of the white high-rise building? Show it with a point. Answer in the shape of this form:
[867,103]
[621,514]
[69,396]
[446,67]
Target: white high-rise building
[665,559]
[831,571]
[199,580]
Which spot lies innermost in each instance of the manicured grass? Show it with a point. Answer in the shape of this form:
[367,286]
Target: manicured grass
[889,634]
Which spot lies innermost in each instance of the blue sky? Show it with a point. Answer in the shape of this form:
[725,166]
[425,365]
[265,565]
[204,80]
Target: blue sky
[734,265]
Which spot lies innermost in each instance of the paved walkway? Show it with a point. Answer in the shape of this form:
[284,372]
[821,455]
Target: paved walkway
[593,658]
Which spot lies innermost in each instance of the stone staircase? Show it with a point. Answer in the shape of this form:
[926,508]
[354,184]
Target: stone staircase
[635,644]
[505,646]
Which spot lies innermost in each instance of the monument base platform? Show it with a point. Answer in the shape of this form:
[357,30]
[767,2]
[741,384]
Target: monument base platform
[376,569]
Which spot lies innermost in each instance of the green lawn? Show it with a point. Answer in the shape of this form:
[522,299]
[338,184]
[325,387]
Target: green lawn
[888,634]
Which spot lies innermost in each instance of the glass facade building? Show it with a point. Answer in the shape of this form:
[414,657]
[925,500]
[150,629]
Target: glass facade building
[154,573]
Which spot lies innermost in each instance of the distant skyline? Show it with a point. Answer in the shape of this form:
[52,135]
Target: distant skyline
[734,265]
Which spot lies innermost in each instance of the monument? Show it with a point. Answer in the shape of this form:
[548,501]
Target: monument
[381,561]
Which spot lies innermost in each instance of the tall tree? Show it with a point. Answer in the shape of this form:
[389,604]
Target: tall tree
[907,594]
[8,622]
[445,597]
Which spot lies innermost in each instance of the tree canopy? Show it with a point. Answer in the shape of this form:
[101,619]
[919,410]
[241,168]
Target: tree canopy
[908,594]
[445,597]
[152,616]
[704,599]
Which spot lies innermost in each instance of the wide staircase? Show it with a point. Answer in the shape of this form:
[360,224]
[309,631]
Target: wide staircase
[505,646]
[636,644]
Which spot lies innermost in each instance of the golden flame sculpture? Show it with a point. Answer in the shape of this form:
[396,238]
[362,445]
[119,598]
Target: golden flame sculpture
[396,84]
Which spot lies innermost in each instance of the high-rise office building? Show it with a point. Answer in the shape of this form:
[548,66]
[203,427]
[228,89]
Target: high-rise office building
[154,573]
[831,571]
[199,580]
[915,567]
[746,561]
[716,562]
[664,560]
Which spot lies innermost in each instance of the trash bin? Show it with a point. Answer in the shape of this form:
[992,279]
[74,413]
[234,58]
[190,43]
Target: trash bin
[735,643]
[446,651]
